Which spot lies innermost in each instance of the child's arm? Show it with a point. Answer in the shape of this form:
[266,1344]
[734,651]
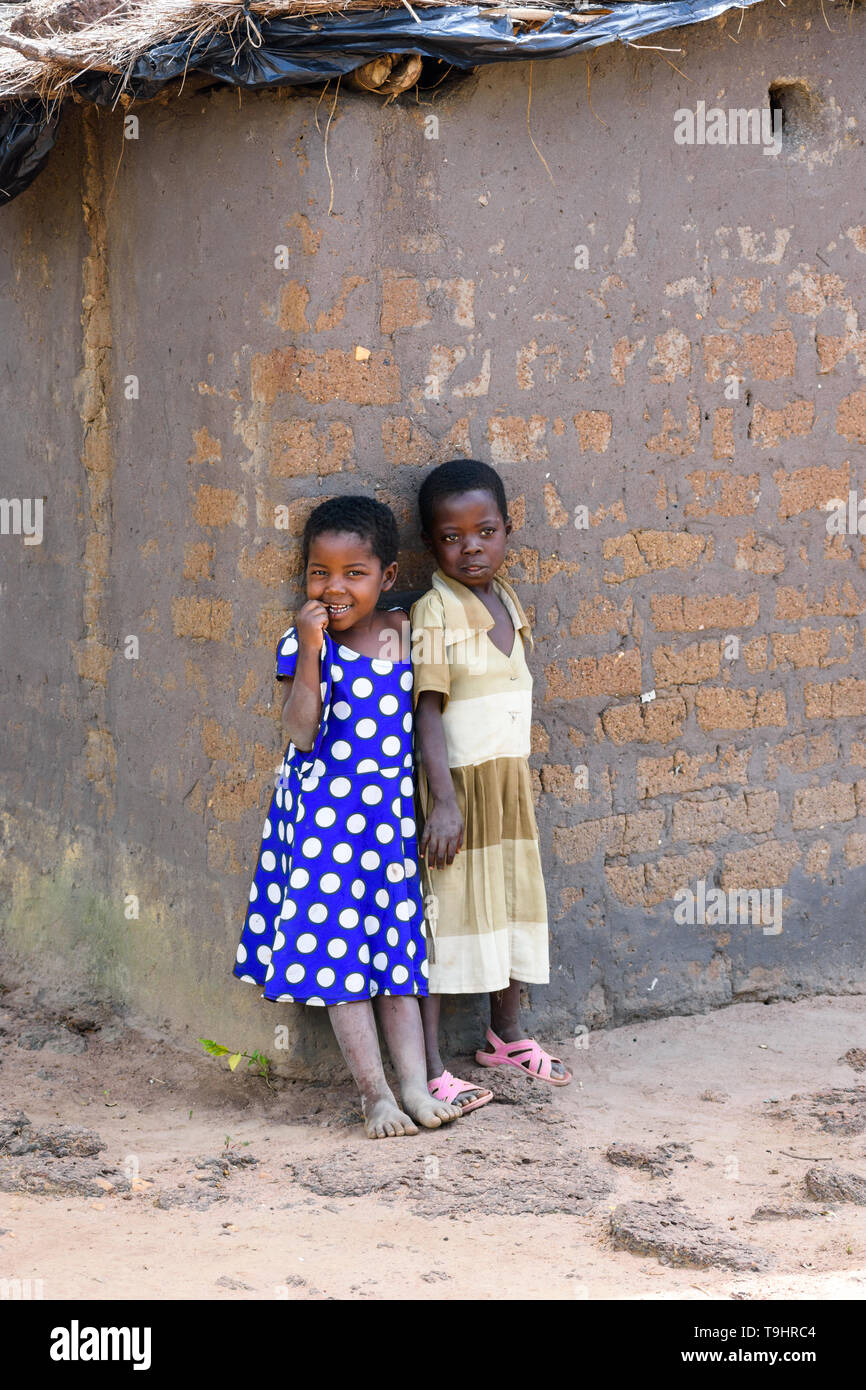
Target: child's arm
[442,836]
[302,698]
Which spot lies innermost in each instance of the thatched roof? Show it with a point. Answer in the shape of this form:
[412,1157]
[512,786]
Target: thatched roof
[48,45]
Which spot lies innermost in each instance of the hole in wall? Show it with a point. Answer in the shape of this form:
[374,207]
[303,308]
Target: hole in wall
[795,105]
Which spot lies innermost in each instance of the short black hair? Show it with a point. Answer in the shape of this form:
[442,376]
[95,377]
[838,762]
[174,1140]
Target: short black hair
[361,516]
[454,477]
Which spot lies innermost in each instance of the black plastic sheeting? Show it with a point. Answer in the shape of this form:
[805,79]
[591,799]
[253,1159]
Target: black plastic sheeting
[294,51]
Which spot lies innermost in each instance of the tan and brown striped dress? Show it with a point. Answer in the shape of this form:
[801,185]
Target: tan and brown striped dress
[487,912]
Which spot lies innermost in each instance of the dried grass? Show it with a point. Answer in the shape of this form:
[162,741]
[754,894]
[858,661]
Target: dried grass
[46,44]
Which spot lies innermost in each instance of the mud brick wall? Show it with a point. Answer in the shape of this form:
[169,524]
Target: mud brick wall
[660,347]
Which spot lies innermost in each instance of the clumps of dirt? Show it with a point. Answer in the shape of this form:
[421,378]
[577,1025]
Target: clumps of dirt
[831,1184]
[672,1233]
[715,1097]
[213,1170]
[855,1057]
[58,1039]
[838,1111]
[208,1179]
[657,1161]
[59,1161]
[789,1213]
[516,1183]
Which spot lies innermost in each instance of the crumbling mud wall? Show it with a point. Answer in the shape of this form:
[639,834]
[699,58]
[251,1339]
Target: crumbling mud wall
[643,307]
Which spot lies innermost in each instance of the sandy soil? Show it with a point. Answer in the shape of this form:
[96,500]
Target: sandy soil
[513,1201]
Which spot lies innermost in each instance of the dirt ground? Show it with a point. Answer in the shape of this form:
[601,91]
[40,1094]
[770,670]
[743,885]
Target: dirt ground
[183,1180]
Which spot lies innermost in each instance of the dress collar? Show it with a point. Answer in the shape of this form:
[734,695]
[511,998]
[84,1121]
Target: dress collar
[463,609]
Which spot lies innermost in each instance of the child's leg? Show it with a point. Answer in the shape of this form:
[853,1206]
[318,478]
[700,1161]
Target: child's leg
[355,1030]
[401,1024]
[435,1066]
[505,1020]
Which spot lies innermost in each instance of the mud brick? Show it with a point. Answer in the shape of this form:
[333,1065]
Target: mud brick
[616,674]
[698,662]
[721,708]
[816,806]
[855,851]
[658,722]
[842,699]
[766,866]
[807,489]
[682,613]
[682,773]
[809,647]
[802,753]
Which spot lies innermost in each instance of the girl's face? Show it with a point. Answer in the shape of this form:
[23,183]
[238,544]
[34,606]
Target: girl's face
[345,575]
[468,536]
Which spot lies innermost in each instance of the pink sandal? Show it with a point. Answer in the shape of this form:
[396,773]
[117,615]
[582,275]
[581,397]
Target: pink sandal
[527,1055]
[447,1087]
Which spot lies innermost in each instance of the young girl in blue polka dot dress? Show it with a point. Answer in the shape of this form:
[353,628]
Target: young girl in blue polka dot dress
[335,915]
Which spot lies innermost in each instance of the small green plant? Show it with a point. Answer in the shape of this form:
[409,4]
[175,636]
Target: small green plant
[255,1060]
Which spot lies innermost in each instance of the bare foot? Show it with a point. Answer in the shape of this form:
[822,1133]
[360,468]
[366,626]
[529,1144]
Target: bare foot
[428,1111]
[386,1120]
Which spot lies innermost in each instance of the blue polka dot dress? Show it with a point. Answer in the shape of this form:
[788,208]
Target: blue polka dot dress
[335,905]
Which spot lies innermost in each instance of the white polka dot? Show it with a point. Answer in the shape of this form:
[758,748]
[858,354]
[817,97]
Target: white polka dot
[285,999]
[358,888]
[341,786]
[342,710]
[337,948]
[407,722]
[368,765]
[407,786]
[323,688]
[263,955]
[391,745]
[371,925]
[349,917]
[390,772]
[406,680]
[269,861]
[289,647]
[392,936]
[356,823]
[396,806]
[341,749]
[295,974]
[266,832]
[407,827]
[374,988]
[279,942]
[364,954]
[384,834]
[317,912]
[256,923]
[299,878]
[306,943]
[285,863]
[380,961]
[372,795]
[287,796]
[354,983]
[362,687]
[382,668]
[310,783]
[370,859]
[404,911]
[410,866]
[254,892]
[383,897]
[348,654]
[424,968]
[311,847]
[314,999]
[319,768]
[325,816]
[275,892]
[395,872]
[342,853]
[399,974]
[281,830]
[241,955]
[407,761]
[330,883]
[249,979]
[411,948]
[365,728]
[336,672]
[289,910]
[389,704]
[270,973]
[325,977]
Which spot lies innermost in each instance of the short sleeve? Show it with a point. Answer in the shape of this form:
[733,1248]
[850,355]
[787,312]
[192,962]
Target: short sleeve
[429,656]
[287,653]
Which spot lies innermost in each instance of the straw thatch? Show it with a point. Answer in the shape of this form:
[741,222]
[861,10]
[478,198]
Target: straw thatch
[46,44]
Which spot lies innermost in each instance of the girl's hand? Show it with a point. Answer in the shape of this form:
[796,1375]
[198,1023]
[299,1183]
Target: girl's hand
[442,835]
[311,622]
